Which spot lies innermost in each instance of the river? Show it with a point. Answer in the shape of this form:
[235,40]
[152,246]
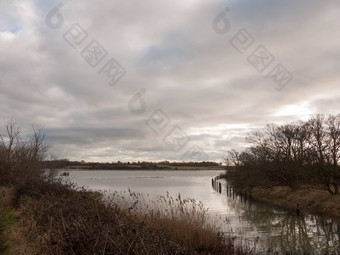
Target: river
[271,229]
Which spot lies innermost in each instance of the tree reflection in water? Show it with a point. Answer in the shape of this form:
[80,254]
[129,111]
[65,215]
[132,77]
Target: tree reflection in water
[283,232]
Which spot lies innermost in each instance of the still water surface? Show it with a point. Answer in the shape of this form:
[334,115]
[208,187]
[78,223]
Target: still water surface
[273,230]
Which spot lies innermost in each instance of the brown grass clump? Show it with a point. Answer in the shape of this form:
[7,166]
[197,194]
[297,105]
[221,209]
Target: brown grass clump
[183,221]
[65,221]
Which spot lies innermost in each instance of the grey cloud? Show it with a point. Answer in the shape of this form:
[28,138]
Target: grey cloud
[169,48]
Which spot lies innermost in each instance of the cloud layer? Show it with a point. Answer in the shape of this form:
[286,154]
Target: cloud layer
[180,74]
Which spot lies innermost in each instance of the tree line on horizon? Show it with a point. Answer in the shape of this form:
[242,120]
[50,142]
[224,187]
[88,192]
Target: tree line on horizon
[294,154]
[62,163]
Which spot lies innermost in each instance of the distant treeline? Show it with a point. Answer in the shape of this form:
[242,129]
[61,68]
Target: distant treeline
[64,163]
[306,152]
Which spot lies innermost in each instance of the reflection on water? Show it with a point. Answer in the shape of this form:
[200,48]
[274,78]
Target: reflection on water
[286,233]
[271,229]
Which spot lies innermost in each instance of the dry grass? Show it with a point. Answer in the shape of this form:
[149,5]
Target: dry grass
[184,221]
[62,219]
[6,197]
[310,199]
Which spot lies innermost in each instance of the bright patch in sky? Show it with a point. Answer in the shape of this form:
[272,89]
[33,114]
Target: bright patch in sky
[303,110]
[6,35]
[219,129]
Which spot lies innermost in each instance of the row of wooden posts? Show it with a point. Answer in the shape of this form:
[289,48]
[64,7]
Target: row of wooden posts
[216,184]
[231,191]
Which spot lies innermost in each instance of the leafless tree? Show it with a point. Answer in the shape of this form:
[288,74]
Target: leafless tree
[292,154]
[21,159]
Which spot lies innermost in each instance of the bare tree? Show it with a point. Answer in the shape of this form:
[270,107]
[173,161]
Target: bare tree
[292,154]
[333,155]
[21,159]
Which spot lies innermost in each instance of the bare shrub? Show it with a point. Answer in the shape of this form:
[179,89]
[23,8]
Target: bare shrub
[21,158]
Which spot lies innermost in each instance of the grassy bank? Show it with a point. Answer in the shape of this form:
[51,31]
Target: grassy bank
[311,199]
[62,219]
[7,220]
[7,217]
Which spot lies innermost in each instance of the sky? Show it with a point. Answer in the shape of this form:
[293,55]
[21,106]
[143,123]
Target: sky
[165,80]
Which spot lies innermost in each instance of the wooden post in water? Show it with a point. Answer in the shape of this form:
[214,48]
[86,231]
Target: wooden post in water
[220,187]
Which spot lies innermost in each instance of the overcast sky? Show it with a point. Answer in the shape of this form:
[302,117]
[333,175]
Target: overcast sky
[165,80]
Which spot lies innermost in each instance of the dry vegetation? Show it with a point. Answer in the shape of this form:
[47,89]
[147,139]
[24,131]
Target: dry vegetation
[310,199]
[182,220]
[40,214]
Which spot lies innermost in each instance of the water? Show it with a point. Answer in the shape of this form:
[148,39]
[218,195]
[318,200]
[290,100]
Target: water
[273,230]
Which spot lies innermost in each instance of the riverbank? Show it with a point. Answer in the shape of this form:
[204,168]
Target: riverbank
[55,218]
[309,199]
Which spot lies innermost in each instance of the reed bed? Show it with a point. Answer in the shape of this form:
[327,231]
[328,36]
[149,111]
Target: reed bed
[58,218]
